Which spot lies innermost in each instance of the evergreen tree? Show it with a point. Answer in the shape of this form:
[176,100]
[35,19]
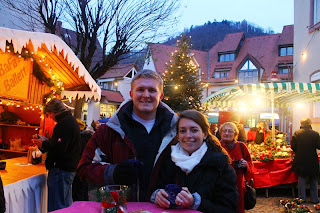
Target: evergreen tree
[182,85]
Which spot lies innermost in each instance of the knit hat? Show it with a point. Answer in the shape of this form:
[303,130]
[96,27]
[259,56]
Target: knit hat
[55,105]
[81,123]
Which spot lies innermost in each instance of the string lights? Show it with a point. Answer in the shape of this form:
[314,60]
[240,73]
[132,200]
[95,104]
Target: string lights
[56,86]
[181,78]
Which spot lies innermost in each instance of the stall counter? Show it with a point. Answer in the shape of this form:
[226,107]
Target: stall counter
[273,173]
[25,186]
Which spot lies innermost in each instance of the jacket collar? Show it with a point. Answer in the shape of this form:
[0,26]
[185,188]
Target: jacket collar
[58,117]
[305,127]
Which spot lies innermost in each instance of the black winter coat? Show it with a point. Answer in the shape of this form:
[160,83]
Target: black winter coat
[64,148]
[213,179]
[305,143]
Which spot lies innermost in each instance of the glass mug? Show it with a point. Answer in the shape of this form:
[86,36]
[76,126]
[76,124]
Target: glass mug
[172,190]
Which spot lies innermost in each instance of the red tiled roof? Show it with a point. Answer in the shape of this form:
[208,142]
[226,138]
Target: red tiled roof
[112,96]
[261,50]
[119,70]
[231,42]
[161,54]
[286,37]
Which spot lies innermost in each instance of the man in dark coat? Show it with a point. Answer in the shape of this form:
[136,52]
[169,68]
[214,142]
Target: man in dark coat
[63,154]
[305,143]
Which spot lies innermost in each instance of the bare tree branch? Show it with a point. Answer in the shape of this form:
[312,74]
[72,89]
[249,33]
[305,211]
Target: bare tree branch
[121,25]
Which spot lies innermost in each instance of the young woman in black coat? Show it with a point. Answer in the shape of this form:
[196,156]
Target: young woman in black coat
[201,166]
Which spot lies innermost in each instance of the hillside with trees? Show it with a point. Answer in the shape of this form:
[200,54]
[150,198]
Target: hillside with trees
[204,37]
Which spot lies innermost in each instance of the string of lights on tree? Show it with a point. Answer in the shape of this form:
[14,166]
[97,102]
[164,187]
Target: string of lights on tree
[56,86]
[182,84]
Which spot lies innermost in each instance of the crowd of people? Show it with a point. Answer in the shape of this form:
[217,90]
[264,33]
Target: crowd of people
[146,145]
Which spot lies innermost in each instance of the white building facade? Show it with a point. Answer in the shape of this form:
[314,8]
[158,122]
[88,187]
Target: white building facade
[306,56]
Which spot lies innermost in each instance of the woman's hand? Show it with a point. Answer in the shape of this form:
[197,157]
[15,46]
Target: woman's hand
[243,163]
[161,199]
[185,198]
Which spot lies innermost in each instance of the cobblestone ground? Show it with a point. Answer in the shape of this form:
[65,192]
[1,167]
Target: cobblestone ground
[271,204]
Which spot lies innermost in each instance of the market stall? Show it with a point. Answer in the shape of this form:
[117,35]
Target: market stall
[34,67]
[272,159]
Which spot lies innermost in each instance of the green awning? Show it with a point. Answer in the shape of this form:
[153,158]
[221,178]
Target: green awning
[213,119]
[285,94]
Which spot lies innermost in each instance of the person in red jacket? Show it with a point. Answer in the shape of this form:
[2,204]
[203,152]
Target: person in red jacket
[257,134]
[241,159]
[128,148]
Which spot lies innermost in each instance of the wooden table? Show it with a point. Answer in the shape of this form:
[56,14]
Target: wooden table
[25,186]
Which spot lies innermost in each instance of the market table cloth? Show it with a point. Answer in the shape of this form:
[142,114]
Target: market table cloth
[273,173]
[95,207]
[25,186]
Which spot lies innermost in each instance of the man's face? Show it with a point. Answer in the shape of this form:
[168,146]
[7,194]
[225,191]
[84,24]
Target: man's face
[146,95]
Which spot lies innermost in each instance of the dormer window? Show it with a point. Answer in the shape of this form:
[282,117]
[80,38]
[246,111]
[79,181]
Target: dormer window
[285,51]
[131,74]
[248,73]
[66,35]
[226,57]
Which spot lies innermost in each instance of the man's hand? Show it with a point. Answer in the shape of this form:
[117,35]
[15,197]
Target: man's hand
[38,141]
[126,172]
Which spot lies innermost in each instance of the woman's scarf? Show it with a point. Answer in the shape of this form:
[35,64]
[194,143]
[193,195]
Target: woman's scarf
[185,161]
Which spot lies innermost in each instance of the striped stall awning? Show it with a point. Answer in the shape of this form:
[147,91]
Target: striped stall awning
[285,94]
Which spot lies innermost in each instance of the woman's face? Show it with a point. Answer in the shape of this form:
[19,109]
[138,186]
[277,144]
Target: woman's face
[190,135]
[227,134]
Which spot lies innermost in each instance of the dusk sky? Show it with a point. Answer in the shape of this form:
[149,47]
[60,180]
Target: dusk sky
[273,14]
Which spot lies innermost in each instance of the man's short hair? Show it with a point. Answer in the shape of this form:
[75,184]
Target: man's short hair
[305,121]
[148,74]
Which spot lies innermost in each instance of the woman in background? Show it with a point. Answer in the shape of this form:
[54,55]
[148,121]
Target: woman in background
[241,159]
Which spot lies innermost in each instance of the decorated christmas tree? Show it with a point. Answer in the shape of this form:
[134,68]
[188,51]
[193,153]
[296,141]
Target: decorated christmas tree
[182,84]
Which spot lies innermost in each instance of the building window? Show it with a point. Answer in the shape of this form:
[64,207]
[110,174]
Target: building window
[284,68]
[109,85]
[316,110]
[107,110]
[84,112]
[226,57]
[248,73]
[221,73]
[316,11]
[284,51]
[314,15]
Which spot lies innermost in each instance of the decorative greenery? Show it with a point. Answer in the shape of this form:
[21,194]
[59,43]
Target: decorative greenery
[294,206]
[38,73]
[113,201]
[182,85]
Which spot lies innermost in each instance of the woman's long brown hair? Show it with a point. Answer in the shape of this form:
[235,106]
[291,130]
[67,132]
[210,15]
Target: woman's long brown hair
[202,121]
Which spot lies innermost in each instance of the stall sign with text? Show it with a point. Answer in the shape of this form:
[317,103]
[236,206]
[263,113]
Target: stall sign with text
[14,76]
